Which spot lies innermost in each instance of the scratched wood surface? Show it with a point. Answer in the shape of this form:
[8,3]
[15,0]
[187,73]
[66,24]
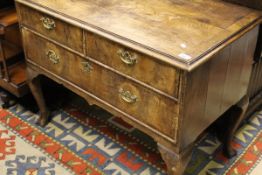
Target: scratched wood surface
[178,29]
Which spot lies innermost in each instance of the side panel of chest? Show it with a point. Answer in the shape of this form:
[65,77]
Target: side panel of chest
[216,85]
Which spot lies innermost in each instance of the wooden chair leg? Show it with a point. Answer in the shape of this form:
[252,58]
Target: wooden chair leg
[176,163]
[229,124]
[6,73]
[36,89]
[4,97]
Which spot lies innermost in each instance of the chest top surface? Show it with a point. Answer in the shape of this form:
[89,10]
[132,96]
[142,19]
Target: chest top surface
[179,31]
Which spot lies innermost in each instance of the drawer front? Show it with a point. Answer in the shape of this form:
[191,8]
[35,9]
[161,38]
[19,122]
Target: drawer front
[51,27]
[143,104]
[141,67]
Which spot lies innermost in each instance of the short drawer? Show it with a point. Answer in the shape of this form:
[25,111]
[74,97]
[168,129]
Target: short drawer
[151,108]
[141,67]
[51,27]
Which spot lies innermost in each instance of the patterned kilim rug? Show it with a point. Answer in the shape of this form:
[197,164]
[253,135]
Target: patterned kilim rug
[76,142]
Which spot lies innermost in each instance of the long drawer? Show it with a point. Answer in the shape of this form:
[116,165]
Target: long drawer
[139,66]
[133,99]
[51,27]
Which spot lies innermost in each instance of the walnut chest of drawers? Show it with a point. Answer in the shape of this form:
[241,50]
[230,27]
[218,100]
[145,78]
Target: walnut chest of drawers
[168,67]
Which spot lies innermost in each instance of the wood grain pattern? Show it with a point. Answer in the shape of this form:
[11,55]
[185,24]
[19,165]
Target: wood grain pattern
[236,83]
[66,34]
[190,29]
[161,113]
[193,102]
[217,78]
[249,60]
[214,87]
[172,99]
[159,75]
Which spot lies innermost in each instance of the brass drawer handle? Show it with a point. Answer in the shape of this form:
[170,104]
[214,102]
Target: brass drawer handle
[53,57]
[87,67]
[48,23]
[127,96]
[127,57]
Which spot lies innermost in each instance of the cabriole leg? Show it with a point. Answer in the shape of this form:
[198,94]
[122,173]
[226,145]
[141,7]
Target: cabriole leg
[176,163]
[228,125]
[36,89]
